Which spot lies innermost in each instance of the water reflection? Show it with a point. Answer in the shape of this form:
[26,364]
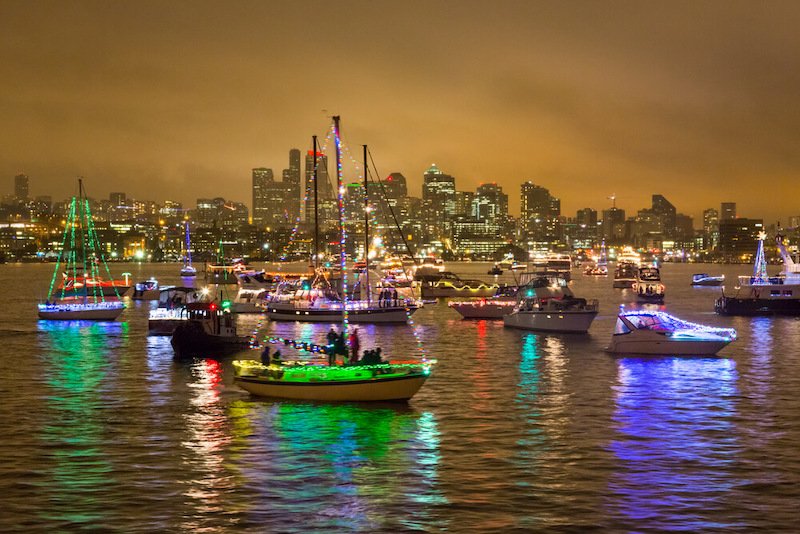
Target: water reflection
[75,363]
[329,467]
[207,438]
[675,442]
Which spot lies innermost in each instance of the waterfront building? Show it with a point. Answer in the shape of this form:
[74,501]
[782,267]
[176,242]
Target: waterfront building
[262,208]
[710,229]
[540,212]
[738,238]
[666,211]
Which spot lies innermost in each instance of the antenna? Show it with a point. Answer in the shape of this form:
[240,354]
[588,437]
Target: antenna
[613,199]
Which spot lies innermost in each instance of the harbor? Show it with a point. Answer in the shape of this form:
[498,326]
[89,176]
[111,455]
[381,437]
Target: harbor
[104,427]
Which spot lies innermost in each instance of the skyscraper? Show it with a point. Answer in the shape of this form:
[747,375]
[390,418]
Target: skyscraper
[291,178]
[539,213]
[666,211]
[262,179]
[727,211]
[21,186]
[439,189]
[326,201]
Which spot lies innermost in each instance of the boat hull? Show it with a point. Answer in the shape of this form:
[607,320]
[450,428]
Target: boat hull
[757,306]
[623,283]
[370,390]
[190,340]
[482,310]
[393,314]
[79,313]
[551,321]
[449,291]
[652,345]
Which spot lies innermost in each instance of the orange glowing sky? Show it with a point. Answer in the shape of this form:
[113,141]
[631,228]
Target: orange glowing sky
[697,101]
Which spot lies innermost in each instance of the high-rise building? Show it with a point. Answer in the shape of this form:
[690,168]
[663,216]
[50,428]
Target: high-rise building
[292,180]
[490,203]
[327,200]
[262,180]
[613,224]
[738,238]
[727,211]
[439,189]
[21,186]
[666,211]
[539,213]
[710,229]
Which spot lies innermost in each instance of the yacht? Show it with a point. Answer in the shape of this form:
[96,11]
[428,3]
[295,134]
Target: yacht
[553,264]
[705,279]
[547,304]
[627,268]
[762,294]
[495,307]
[447,284]
[648,286]
[656,332]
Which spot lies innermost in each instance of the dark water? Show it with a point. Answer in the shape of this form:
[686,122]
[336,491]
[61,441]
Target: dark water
[514,432]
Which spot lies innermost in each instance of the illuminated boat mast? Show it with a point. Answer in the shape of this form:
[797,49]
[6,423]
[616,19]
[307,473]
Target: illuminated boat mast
[760,268]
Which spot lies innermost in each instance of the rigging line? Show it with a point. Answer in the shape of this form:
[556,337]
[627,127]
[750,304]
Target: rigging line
[391,210]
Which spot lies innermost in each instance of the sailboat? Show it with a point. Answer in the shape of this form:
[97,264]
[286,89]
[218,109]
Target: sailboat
[188,270]
[83,294]
[324,300]
[368,379]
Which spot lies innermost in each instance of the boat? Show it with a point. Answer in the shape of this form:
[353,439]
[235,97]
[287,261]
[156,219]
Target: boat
[495,271]
[254,291]
[226,273]
[656,332]
[300,380]
[209,330]
[364,379]
[553,264]
[447,284]
[705,279]
[325,297]
[547,304]
[648,286]
[85,297]
[598,267]
[627,268]
[495,307]
[429,266]
[146,290]
[188,270]
[762,294]
[172,300]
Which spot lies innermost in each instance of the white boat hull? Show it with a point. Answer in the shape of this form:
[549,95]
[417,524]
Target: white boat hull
[649,342]
[289,312]
[372,389]
[551,321]
[77,312]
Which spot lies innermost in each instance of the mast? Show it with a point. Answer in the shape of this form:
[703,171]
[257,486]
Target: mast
[316,207]
[81,215]
[343,232]
[366,229]
[187,258]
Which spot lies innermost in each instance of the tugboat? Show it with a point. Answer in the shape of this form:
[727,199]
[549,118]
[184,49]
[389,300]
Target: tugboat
[209,330]
[762,294]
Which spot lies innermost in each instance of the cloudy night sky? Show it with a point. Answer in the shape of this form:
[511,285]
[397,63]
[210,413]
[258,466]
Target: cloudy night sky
[697,101]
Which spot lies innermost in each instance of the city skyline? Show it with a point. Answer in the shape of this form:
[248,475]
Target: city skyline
[182,101]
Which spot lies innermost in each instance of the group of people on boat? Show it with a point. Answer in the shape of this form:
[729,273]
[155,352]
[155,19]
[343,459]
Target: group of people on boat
[388,297]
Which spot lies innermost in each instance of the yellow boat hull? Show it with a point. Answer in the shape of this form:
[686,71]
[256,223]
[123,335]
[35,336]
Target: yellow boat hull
[377,388]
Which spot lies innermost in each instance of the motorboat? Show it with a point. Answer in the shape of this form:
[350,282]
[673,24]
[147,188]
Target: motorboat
[705,279]
[656,332]
[428,267]
[82,294]
[547,304]
[209,330]
[648,286]
[553,264]
[146,290]
[762,294]
[447,284]
[627,268]
[495,307]
[172,301]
